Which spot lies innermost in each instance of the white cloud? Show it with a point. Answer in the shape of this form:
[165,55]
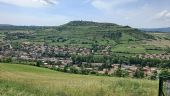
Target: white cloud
[100,4]
[108,4]
[113,8]
[126,12]
[163,16]
[164,13]
[31,3]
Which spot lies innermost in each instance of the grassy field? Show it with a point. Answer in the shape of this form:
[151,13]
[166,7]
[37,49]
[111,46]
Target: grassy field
[23,80]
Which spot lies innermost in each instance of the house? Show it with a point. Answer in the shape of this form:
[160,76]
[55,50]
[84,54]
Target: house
[115,66]
[132,68]
[147,70]
[96,64]
[101,72]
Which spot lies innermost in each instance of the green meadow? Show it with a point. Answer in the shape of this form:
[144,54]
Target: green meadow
[24,80]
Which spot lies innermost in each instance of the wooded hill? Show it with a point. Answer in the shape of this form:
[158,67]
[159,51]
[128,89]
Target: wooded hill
[84,29]
[85,34]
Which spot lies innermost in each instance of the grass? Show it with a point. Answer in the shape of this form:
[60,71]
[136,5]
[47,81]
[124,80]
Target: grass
[132,47]
[24,80]
[159,43]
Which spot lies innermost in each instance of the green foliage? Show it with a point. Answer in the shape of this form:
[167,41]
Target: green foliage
[86,72]
[74,70]
[39,63]
[167,49]
[154,76]
[164,72]
[121,73]
[6,59]
[139,73]
[76,31]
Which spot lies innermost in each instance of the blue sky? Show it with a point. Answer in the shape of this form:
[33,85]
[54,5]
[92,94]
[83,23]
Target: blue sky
[135,13]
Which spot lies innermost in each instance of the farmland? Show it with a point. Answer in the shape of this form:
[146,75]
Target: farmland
[24,80]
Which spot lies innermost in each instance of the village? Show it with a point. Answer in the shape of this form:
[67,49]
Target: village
[163,56]
[60,58]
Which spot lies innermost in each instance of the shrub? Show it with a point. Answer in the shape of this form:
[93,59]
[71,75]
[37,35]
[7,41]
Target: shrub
[139,73]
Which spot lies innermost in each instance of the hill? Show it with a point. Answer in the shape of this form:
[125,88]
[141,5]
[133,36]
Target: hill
[122,39]
[23,80]
[6,25]
[86,33]
[101,30]
[157,29]
[84,29]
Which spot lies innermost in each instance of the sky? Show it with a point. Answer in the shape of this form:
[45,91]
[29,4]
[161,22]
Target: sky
[135,13]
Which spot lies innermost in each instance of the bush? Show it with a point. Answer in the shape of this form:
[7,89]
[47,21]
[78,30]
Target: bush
[164,72]
[153,76]
[85,71]
[139,73]
[121,73]
[73,70]
[6,60]
[39,63]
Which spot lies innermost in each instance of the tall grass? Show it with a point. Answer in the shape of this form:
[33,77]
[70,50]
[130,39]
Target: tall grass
[23,80]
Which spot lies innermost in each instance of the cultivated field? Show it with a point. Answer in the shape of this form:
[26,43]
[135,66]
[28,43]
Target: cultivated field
[23,80]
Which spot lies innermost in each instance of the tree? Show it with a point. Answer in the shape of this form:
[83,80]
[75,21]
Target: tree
[167,49]
[121,73]
[154,75]
[85,71]
[65,69]
[73,70]
[39,63]
[6,59]
[139,73]
[94,47]
[164,72]
[59,63]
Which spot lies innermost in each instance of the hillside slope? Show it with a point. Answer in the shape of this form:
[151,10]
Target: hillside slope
[157,29]
[23,80]
[121,39]
[86,33]
[84,29]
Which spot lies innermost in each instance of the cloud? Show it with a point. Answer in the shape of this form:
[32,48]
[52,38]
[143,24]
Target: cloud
[163,16]
[115,9]
[100,4]
[133,12]
[108,4]
[31,3]
[164,13]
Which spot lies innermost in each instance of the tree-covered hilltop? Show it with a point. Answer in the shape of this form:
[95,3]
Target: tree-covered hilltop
[89,23]
[101,30]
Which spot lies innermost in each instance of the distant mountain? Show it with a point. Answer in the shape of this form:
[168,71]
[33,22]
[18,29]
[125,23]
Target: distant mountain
[6,25]
[16,27]
[156,29]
